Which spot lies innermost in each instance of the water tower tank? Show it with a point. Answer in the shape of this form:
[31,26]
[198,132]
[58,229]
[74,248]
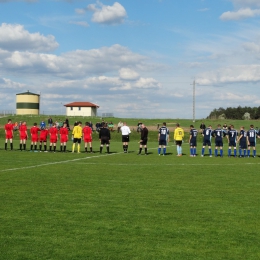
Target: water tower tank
[27,103]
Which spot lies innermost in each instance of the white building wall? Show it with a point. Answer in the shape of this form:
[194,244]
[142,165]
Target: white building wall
[81,111]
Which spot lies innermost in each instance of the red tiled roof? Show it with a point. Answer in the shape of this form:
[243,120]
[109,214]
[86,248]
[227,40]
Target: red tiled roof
[81,104]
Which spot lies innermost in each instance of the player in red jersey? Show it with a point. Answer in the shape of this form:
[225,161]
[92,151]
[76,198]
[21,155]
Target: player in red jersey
[53,137]
[34,136]
[87,137]
[64,133]
[43,138]
[23,135]
[9,134]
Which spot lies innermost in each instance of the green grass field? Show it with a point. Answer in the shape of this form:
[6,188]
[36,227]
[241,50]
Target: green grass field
[124,206]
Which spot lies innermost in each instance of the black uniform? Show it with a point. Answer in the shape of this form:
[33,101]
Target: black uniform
[104,135]
[144,136]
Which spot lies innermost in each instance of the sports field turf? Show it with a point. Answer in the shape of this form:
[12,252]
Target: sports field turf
[124,206]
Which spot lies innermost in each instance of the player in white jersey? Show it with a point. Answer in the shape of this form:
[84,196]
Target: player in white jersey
[125,130]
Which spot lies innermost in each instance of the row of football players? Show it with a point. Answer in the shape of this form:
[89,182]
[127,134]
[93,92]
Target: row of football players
[245,139]
[40,136]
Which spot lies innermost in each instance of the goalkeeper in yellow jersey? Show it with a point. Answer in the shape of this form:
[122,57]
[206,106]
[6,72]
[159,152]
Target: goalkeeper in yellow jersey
[77,135]
[178,137]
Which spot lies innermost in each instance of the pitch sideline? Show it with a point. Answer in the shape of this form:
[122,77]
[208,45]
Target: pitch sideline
[103,155]
[67,161]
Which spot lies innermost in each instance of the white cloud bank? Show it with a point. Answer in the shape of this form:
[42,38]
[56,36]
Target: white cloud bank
[240,14]
[78,63]
[14,37]
[100,71]
[128,74]
[243,9]
[106,14]
[232,74]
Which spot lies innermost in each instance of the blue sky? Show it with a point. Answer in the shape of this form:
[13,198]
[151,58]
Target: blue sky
[132,58]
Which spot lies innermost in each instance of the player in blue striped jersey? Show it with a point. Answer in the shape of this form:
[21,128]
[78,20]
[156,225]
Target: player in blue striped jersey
[207,134]
[251,140]
[242,141]
[219,134]
[232,135]
[193,141]
[163,138]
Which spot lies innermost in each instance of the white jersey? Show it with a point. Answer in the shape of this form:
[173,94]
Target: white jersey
[125,130]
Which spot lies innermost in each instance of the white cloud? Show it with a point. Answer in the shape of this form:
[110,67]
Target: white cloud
[79,63]
[148,83]
[92,7]
[232,74]
[252,47]
[106,14]
[128,74]
[105,84]
[7,83]
[15,37]
[229,96]
[240,14]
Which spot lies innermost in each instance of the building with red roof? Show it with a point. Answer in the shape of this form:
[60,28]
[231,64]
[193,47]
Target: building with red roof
[81,109]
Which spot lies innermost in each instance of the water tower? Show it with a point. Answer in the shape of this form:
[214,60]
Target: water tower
[27,103]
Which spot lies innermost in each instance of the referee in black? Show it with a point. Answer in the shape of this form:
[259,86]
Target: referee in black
[104,137]
[144,139]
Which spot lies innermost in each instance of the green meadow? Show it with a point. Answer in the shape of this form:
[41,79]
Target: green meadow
[124,206]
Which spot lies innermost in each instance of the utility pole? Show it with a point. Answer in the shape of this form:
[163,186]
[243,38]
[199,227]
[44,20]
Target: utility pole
[194,94]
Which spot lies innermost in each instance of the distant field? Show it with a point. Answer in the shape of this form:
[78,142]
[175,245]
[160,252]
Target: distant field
[124,206]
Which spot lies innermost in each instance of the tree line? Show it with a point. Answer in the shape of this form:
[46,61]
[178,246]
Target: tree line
[235,113]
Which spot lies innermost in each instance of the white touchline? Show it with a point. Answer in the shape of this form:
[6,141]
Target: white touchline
[53,163]
[67,161]
[102,155]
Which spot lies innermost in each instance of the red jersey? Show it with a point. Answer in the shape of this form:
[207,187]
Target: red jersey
[87,131]
[43,135]
[34,133]
[34,130]
[9,128]
[53,131]
[23,131]
[64,131]
[64,134]
[87,134]
[9,131]
[53,135]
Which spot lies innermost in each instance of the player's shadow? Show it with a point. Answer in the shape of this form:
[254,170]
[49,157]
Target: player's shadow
[149,153]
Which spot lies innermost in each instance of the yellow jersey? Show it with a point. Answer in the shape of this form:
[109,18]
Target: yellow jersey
[178,134]
[77,131]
